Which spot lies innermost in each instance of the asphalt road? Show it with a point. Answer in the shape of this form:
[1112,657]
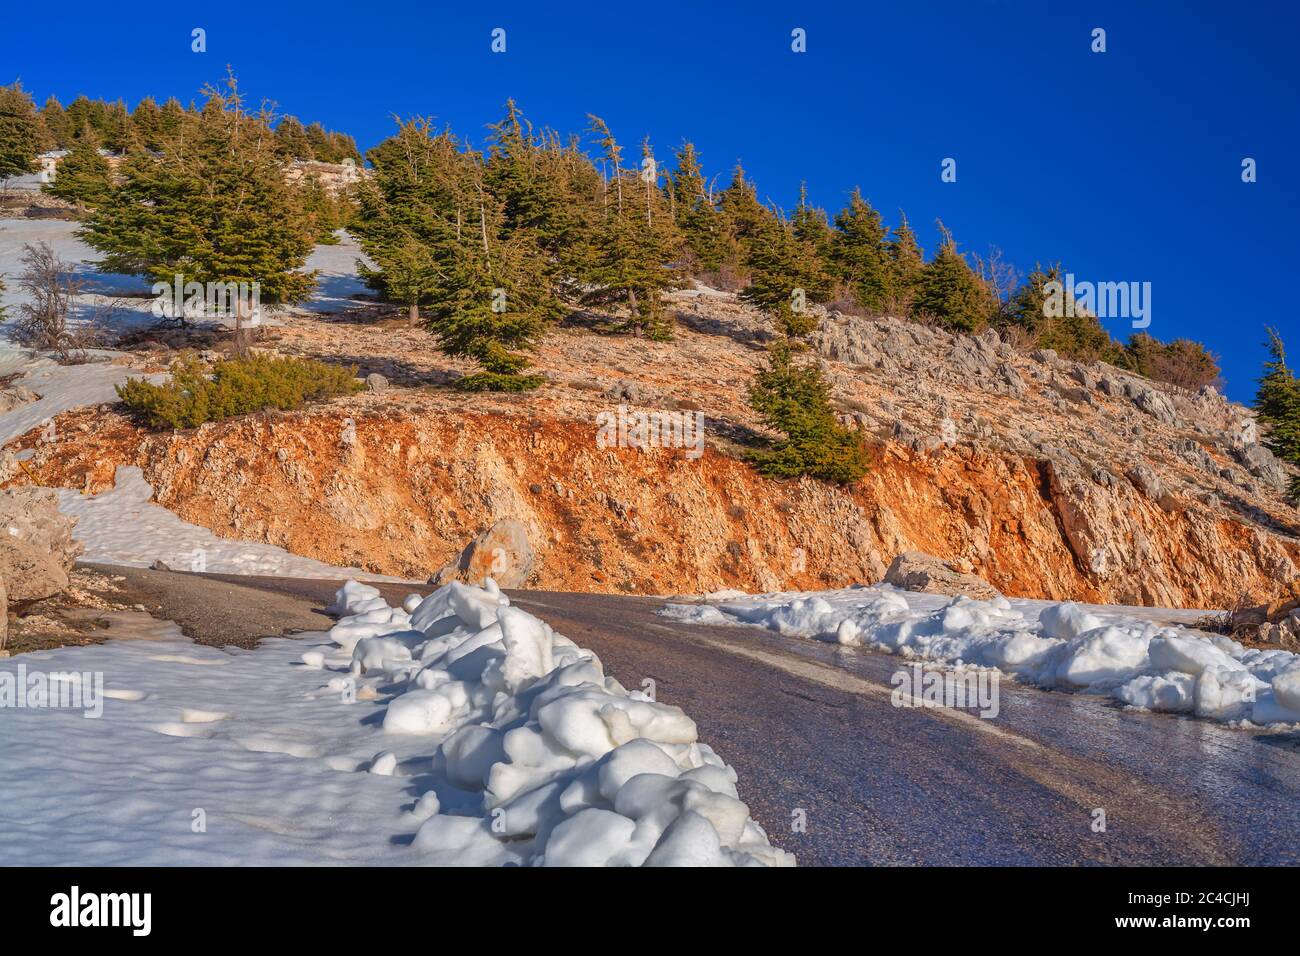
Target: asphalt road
[838,775]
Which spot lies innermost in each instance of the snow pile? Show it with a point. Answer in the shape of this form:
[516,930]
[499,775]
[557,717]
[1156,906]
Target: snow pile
[565,766]
[1112,652]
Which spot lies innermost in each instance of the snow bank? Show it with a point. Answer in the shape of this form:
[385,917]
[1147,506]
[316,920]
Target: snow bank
[455,729]
[566,767]
[1118,652]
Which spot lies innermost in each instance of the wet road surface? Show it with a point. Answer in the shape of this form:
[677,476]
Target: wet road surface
[839,776]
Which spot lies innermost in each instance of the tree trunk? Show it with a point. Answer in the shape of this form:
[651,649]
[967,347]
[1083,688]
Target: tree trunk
[413,314]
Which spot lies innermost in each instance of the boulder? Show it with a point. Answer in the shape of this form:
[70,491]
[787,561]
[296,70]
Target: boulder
[917,571]
[501,553]
[16,396]
[37,550]
[376,382]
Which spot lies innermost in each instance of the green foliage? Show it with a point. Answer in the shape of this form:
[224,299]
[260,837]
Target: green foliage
[212,207]
[702,227]
[950,293]
[190,397]
[440,238]
[22,134]
[1278,405]
[786,276]
[793,400]
[1181,362]
[1034,311]
[635,242]
[860,255]
[906,265]
[744,216]
[84,177]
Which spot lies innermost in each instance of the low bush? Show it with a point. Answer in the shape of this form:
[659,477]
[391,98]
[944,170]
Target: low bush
[237,387]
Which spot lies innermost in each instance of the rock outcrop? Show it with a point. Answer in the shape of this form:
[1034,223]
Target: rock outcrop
[915,571]
[501,553]
[37,550]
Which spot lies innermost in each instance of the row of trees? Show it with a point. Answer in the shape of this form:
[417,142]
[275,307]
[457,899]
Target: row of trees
[26,131]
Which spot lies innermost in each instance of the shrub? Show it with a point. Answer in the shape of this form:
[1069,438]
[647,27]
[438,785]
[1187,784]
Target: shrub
[1181,362]
[236,387]
[794,400]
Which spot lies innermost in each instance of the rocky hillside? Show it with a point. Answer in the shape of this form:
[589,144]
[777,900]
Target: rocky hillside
[1049,478]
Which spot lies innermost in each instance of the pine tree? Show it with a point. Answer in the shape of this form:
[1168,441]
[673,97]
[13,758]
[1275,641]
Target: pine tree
[116,131]
[1278,405]
[292,139]
[906,264]
[860,255]
[746,218]
[950,292]
[56,122]
[635,244]
[698,220]
[794,400]
[147,122]
[1050,319]
[412,213]
[786,276]
[22,134]
[84,176]
[492,300]
[212,207]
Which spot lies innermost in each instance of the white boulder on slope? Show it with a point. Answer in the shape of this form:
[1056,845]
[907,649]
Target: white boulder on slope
[573,769]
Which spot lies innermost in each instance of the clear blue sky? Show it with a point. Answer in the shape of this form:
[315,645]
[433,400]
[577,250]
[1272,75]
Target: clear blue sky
[1124,165]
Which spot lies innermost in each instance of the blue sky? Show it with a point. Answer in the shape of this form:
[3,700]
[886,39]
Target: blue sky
[1125,166]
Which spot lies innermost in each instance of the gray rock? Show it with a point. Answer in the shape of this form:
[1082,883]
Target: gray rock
[1261,463]
[917,571]
[376,382]
[1153,402]
[37,550]
[16,396]
[1147,481]
[159,565]
[501,553]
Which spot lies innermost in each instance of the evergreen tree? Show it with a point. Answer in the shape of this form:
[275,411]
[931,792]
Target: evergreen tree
[493,300]
[744,216]
[635,244]
[860,255]
[786,276]
[56,123]
[1052,320]
[906,264]
[212,207]
[412,213]
[171,120]
[1278,405]
[794,400]
[292,139]
[84,176]
[698,220]
[116,131]
[321,148]
[950,293]
[146,120]
[22,135]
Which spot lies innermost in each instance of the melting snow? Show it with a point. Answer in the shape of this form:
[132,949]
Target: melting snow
[1135,655]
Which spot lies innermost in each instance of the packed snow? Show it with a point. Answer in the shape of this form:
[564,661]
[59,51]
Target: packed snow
[1129,654]
[453,730]
[123,526]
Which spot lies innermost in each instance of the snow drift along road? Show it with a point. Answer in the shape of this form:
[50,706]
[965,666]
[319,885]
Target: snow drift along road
[1102,651]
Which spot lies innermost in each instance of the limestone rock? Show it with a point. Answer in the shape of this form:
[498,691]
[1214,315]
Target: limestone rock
[501,553]
[917,571]
[37,550]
